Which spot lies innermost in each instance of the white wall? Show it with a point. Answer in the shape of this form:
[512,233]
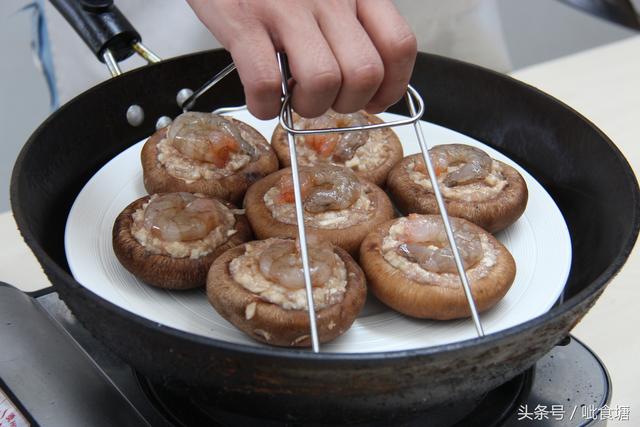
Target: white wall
[24,99]
[539,30]
[536,30]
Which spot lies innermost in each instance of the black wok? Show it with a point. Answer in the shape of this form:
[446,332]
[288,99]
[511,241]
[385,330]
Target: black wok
[578,165]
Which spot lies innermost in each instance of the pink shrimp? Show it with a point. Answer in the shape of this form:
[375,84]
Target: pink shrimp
[340,147]
[425,243]
[182,217]
[281,263]
[285,185]
[472,163]
[323,188]
[207,138]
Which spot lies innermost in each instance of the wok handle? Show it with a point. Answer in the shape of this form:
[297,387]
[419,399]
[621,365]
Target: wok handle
[101,25]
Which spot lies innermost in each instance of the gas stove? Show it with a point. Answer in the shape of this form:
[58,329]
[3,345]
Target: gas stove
[54,373]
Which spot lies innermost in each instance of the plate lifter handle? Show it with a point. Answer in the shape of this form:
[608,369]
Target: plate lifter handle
[288,118]
[105,30]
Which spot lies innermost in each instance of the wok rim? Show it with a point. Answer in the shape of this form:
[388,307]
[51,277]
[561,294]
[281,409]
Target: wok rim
[305,355]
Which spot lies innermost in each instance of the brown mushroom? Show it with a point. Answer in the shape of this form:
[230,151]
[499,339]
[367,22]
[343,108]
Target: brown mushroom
[442,296]
[163,270]
[269,322]
[388,145]
[493,213]
[265,225]
[232,187]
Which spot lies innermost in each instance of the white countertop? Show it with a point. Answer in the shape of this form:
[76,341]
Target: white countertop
[604,85]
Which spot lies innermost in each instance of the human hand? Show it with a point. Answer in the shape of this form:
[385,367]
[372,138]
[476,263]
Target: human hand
[343,54]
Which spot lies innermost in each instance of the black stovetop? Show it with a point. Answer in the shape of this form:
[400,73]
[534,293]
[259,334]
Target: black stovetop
[54,373]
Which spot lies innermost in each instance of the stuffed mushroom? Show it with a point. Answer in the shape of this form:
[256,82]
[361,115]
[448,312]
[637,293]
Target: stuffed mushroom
[474,186]
[206,153]
[338,206]
[409,266]
[370,154]
[259,288]
[170,240]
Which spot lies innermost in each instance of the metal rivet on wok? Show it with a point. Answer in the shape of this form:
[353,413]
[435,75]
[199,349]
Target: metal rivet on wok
[163,121]
[135,115]
[183,95]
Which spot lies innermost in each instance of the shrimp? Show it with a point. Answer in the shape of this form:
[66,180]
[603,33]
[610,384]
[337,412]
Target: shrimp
[350,141]
[340,147]
[281,263]
[323,188]
[286,186]
[473,163]
[334,188]
[181,217]
[207,138]
[323,144]
[425,243]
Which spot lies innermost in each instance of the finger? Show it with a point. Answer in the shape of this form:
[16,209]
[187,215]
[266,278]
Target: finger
[360,64]
[311,62]
[255,58]
[396,45]
[242,33]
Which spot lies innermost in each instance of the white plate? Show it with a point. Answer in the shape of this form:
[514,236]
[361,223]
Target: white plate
[539,242]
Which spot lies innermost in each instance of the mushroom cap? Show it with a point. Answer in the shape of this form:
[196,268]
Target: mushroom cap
[493,214]
[272,324]
[165,271]
[231,187]
[349,238]
[429,300]
[378,175]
